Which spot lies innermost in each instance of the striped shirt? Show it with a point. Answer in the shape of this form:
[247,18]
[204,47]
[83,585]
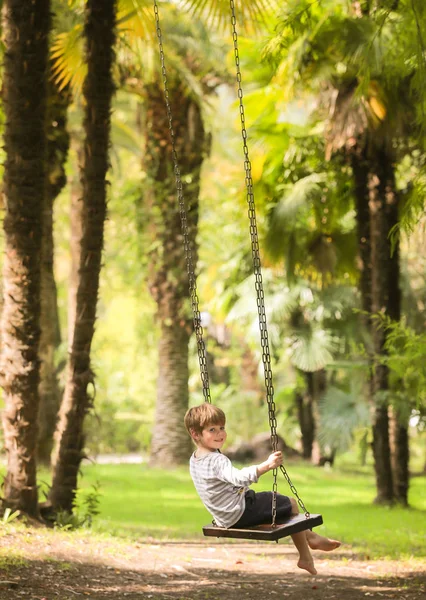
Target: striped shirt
[221,486]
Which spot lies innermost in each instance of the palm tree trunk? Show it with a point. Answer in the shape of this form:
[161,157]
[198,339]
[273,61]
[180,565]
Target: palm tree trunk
[77,401]
[307,404]
[305,411]
[171,449]
[380,277]
[360,169]
[49,390]
[168,280]
[26,30]
[377,213]
[77,219]
[400,451]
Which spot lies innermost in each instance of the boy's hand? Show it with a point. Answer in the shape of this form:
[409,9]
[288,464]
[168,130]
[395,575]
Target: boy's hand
[274,460]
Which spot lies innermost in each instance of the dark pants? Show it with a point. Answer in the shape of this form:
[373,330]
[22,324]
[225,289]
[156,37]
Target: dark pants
[258,509]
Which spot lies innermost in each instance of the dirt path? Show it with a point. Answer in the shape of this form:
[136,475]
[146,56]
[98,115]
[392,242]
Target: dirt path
[48,565]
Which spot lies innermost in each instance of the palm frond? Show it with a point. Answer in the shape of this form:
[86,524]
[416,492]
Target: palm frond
[312,349]
[124,136]
[299,194]
[244,306]
[287,234]
[342,412]
[135,19]
[69,68]
[76,5]
[251,15]
[413,207]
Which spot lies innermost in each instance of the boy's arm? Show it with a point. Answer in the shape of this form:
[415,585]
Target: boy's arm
[225,471]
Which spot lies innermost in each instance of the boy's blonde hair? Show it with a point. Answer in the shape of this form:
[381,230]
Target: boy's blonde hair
[198,417]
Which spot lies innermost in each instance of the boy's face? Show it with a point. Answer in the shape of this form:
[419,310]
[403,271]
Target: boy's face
[212,437]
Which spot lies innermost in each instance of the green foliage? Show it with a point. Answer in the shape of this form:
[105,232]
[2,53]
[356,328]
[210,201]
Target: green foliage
[310,326]
[342,413]
[66,53]
[313,349]
[11,560]
[251,14]
[310,223]
[9,515]
[305,211]
[85,510]
[374,59]
[412,181]
[406,351]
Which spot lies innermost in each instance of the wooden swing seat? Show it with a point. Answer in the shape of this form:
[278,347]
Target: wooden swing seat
[266,532]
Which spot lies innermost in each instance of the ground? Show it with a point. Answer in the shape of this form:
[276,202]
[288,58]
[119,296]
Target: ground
[39,564]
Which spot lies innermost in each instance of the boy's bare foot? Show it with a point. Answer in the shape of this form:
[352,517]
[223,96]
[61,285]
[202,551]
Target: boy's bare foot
[318,542]
[307,565]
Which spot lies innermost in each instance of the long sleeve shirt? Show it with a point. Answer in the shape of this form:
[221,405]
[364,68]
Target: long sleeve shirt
[221,486]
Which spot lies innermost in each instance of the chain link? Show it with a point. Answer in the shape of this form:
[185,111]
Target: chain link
[201,346]
[264,340]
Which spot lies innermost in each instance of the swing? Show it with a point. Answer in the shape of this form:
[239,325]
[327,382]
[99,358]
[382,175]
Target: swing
[296,523]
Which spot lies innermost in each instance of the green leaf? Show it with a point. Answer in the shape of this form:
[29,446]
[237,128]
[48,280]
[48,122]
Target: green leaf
[342,412]
[67,56]
[312,350]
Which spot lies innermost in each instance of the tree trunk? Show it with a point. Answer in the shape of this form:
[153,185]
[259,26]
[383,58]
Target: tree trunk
[399,441]
[171,449]
[49,390]
[26,30]
[400,451]
[377,213]
[77,401]
[168,279]
[360,169]
[249,374]
[77,219]
[380,278]
[306,405]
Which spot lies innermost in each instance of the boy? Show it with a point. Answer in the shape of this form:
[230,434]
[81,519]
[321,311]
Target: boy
[225,492]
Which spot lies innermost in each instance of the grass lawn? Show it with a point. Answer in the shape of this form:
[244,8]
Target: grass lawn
[140,502]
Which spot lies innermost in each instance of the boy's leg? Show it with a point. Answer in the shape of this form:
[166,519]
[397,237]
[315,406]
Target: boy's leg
[301,542]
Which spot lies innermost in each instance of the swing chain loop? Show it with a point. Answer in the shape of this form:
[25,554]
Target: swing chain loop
[201,346]
[264,340]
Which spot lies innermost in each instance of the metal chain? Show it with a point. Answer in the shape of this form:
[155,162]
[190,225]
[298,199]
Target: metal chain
[266,356]
[201,347]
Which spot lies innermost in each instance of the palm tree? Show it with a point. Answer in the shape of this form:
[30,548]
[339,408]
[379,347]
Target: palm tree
[310,231]
[98,90]
[366,83]
[191,55]
[168,280]
[58,141]
[167,270]
[26,31]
